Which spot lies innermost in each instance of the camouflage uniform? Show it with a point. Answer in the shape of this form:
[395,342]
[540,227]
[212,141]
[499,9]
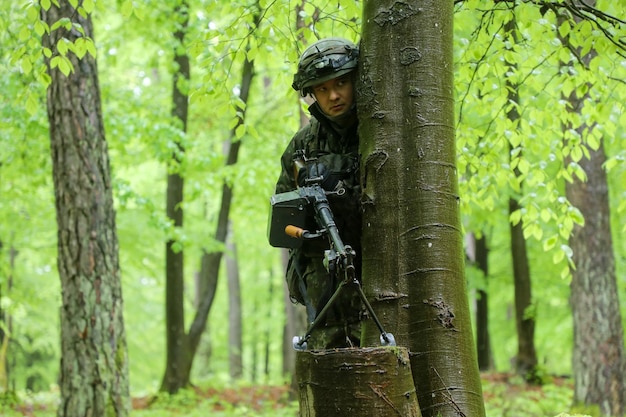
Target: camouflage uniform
[308,279]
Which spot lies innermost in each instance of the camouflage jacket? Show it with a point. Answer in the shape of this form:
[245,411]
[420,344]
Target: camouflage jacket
[339,151]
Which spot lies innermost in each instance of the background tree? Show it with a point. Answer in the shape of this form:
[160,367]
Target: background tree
[176,375]
[94,362]
[598,358]
[526,359]
[234,310]
[412,240]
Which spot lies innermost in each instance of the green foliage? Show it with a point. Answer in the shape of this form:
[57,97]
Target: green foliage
[491,146]
[135,47]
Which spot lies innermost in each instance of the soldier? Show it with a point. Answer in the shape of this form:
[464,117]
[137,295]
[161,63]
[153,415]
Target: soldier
[326,72]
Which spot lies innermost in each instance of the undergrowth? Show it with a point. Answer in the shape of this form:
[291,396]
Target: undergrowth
[504,397]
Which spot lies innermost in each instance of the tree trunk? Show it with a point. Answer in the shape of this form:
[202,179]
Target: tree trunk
[598,356]
[413,267]
[210,262]
[235,344]
[526,360]
[94,365]
[345,382]
[295,325]
[480,256]
[176,340]
[6,324]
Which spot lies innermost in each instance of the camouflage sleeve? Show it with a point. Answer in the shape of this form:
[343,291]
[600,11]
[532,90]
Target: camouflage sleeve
[286,181]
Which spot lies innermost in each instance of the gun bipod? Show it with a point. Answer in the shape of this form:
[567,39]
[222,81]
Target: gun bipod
[386,339]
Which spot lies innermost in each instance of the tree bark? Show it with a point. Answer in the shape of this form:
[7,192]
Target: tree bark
[598,355]
[176,339]
[210,262]
[235,344]
[413,267]
[526,359]
[344,382]
[94,363]
[480,256]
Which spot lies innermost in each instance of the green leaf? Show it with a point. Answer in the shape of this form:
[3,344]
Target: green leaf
[577,216]
[24,34]
[26,65]
[240,131]
[127,8]
[523,166]
[550,242]
[558,256]
[39,27]
[576,153]
[564,29]
[91,47]
[63,46]
[32,105]
[80,49]
[88,5]
[515,217]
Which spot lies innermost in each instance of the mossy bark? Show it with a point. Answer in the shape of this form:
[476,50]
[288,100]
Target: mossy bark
[94,363]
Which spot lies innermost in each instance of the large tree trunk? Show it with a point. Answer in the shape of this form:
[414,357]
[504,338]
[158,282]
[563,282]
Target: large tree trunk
[526,359]
[413,265]
[94,363]
[176,340]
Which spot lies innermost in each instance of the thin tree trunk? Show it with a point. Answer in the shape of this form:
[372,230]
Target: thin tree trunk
[480,256]
[268,333]
[526,359]
[295,325]
[210,262]
[413,265]
[176,340]
[7,325]
[94,362]
[235,344]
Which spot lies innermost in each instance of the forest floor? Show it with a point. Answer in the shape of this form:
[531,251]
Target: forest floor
[505,395]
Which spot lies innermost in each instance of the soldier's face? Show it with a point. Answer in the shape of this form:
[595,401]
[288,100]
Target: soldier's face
[335,96]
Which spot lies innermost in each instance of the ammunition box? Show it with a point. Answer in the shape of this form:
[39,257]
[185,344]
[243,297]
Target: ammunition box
[286,209]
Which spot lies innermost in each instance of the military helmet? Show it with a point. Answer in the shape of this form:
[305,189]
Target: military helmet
[324,60]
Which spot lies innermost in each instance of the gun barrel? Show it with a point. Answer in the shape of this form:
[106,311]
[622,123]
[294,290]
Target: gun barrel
[327,221]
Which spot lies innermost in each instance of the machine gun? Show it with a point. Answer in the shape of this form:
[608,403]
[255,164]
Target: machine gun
[289,226]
